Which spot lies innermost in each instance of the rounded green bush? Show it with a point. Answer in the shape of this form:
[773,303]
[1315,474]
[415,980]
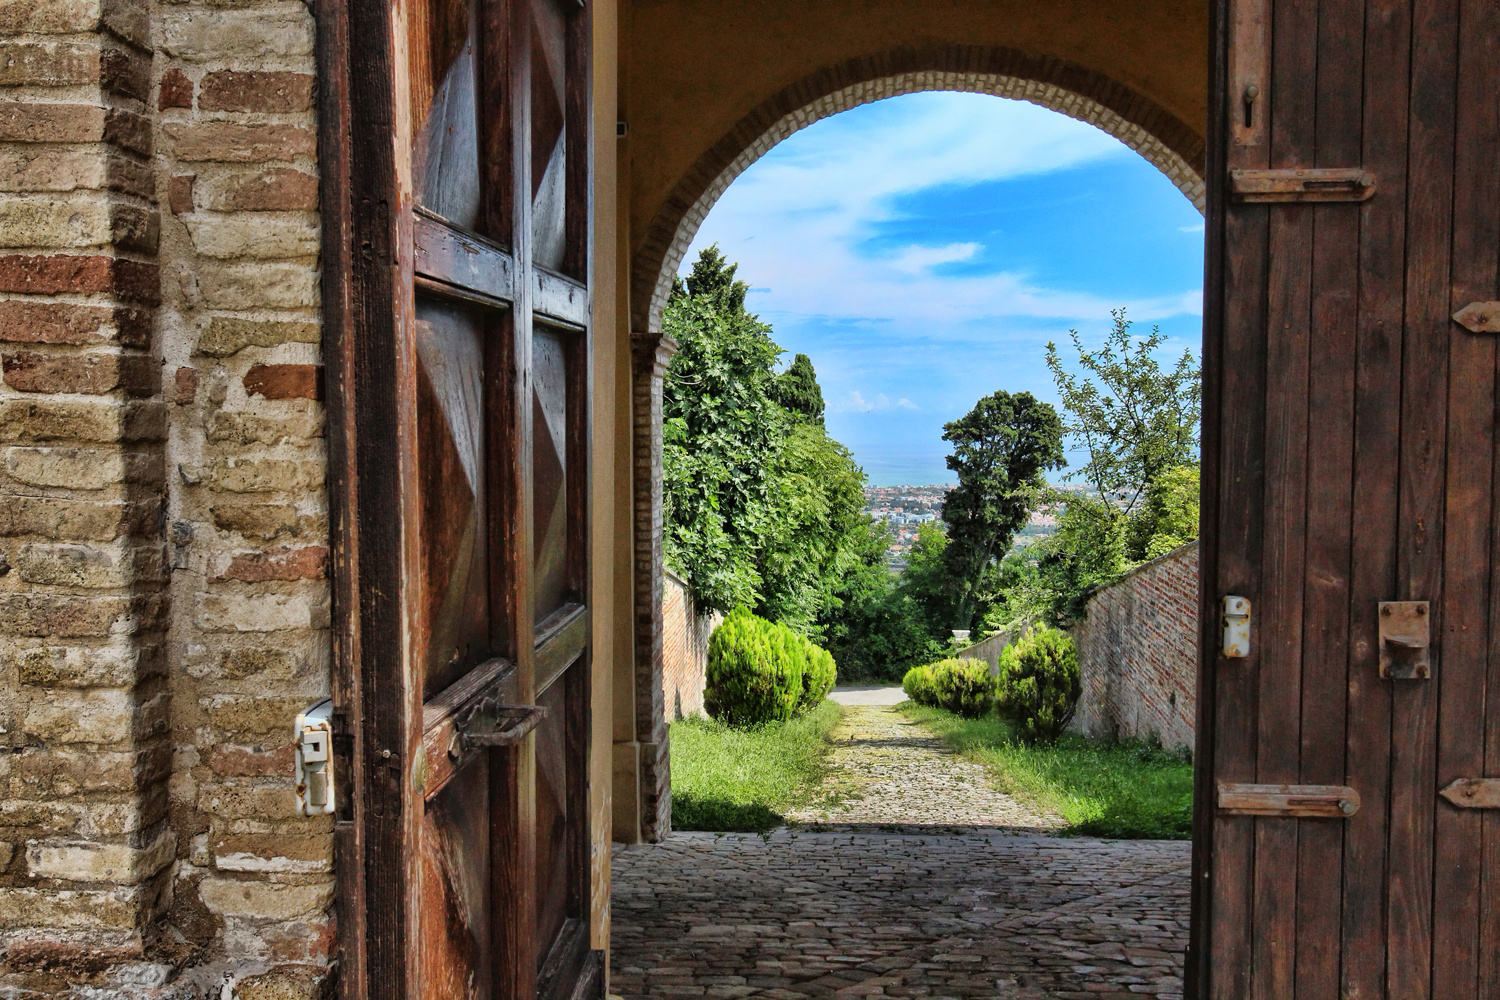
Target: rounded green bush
[1039,685]
[760,671]
[961,686]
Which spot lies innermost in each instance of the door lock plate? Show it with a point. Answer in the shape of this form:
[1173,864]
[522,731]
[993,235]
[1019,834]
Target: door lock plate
[1405,640]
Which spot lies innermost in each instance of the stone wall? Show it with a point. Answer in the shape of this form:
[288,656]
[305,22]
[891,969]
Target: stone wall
[163,529]
[987,650]
[1138,653]
[685,635]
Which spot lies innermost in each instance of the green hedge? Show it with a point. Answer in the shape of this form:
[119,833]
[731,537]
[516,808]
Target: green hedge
[1039,684]
[963,687]
[760,671]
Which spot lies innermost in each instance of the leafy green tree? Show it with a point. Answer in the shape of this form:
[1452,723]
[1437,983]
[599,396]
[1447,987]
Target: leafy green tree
[875,629]
[798,391]
[723,435]
[1137,420]
[1169,517]
[1001,448]
[930,582]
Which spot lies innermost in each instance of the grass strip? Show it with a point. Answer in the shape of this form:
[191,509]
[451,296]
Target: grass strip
[1127,790]
[726,779]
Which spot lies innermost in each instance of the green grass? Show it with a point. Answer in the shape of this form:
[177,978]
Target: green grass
[727,779]
[1130,791]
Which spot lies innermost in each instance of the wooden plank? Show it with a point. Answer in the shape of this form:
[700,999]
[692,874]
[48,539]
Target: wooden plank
[1208,848]
[1239,422]
[473,264]
[1280,610]
[1330,482]
[1464,696]
[1303,184]
[559,298]
[1247,101]
[495,76]
[1424,413]
[339,354]
[558,646]
[1288,801]
[1375,497]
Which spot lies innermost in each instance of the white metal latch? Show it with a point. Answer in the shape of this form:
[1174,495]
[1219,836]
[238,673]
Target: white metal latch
[314,734]
[1236,627]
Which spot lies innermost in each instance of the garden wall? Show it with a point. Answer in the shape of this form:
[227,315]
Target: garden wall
[988,650]
[1138,653]
[685,636]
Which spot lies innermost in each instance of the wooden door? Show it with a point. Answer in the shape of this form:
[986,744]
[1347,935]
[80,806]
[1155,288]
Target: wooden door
[1349,459]
[465,360]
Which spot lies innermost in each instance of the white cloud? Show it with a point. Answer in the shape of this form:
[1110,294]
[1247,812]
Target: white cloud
[855,402]
[1191,229]
[915,259]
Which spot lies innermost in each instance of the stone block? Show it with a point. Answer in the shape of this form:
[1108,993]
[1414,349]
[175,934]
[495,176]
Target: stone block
[27,122]
[103,716]
[58,773]
[260,612]
[241,428]
[176,90]
[307,563]
[258,285]
[91,862]
[253,799]
[266,475]
[261,235]
[243,718]
[246,762]
[230,90]
[185,385]
[49,274]
[266,664]
[281,30]
[82,468]
[63,420]
[48,17]
[87,374]
[227,335]
[67,323]
[232,142]
[73,565]
[24,167]
[81,666]
[48,63]
[93,910]
[44,615]
[72,519]
[284,381]
[180,193]
[257,520]
[128,130]
[258,189]
[255,900]
[79,221]
[123,70]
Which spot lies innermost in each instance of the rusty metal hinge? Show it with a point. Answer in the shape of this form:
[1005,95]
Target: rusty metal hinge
[1405,640]
[1302,184]
[1296,801]
[1479,317]
[1474,793]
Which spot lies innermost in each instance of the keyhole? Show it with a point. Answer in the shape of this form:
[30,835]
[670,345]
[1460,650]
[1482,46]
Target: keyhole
[1251,93]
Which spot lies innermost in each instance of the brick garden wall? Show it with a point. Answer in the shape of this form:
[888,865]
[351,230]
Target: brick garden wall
[685,635]
[164,610]
[1138,653]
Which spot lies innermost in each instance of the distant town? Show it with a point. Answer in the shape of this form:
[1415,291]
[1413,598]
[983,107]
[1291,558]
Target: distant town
[907,508]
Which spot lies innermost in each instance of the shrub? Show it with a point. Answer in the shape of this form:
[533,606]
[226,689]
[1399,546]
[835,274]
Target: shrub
[1039,685]
[760,671]
[960,686]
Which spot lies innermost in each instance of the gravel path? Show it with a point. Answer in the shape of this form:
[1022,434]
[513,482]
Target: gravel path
[891,774]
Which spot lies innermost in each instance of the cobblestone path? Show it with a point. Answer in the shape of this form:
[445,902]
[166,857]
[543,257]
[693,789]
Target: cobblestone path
[811,915]
[890,773]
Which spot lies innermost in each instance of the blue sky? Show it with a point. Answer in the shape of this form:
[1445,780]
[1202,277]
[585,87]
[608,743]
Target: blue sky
[922,251]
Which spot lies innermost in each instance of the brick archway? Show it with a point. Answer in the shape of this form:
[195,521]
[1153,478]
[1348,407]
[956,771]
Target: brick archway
[1164,140]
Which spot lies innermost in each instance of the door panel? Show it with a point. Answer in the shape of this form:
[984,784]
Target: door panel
[1350,459]
[475,641]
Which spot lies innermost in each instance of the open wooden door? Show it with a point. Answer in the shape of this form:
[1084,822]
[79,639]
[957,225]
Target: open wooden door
[465,404]
[1343,848]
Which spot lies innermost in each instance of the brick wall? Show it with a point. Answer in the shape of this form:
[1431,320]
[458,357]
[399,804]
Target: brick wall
[163,529]
[685,635]
[1138,653]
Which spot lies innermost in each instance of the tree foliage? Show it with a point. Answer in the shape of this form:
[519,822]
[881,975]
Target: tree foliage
[798,391]
[1001,448]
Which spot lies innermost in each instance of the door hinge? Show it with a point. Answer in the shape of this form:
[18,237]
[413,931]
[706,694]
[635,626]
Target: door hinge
[1479,317]
[1474,793]
[1301,184]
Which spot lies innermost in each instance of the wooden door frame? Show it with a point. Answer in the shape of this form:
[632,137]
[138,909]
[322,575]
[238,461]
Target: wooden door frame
[367,311]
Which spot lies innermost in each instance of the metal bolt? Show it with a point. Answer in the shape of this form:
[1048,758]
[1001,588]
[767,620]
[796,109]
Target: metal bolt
[386,754]
[1386,612]
[1421,609]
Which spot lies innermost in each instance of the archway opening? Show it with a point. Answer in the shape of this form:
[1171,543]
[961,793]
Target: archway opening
[952,267]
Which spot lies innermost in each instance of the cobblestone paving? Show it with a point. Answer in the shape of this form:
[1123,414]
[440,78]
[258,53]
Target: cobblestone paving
[950,906]
[810,915]
[889,773]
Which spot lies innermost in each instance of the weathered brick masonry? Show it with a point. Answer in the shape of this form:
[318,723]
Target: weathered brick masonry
[163,529]
[685,635]
[1138,653]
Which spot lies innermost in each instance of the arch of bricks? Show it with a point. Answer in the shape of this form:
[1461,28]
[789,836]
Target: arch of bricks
[1163,139]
